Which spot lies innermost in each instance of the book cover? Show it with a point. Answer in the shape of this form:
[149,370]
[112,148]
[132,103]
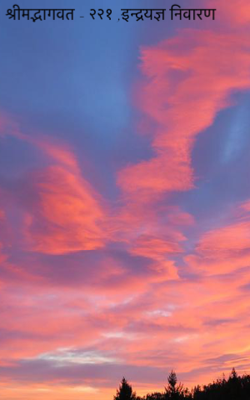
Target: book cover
[124,199]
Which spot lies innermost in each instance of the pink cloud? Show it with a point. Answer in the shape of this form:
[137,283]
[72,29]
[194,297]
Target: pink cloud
[238,16]
[226,248]
[67,214]
[187,81]
[154,247]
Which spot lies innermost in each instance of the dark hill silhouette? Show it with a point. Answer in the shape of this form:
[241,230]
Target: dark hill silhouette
[234,388]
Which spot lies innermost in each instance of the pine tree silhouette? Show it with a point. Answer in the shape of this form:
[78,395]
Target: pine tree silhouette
[173,390]
[236,387]
[125,391]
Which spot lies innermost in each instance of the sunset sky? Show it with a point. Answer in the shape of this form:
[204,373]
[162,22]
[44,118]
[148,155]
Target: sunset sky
[124,200]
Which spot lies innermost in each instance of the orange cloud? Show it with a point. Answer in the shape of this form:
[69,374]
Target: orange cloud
[238,15]
[67,216]
[155,247]
[188,80]
[246,206]
[229,240]
[64,214]
[3,256]
[226,248]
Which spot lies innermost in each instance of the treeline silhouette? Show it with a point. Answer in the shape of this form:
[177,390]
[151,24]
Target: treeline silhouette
[234,388]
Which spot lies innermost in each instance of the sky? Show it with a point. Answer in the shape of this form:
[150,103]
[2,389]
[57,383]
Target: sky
[124,200]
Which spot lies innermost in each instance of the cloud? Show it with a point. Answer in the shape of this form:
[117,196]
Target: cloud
[155,247]
[238,16]
[226,248]
[66,216]
[3,235]
[187,80]
[63,212]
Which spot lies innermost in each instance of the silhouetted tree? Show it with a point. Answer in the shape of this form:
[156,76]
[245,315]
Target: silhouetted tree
[174,390]
[155,396]
[234,388]
[125,391]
